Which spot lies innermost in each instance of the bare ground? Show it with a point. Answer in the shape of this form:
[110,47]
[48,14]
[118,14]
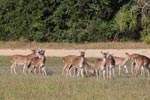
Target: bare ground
[64,52]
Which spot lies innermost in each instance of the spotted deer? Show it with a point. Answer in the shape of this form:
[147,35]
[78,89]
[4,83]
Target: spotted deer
[68,61]
[141,61]
[99,65]
[132,57]
[23,60]
[78,63]
[39,63]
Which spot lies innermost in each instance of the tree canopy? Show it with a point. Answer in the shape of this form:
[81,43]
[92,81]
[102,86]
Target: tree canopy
[74,20]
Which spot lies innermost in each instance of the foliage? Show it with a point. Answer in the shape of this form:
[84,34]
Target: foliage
[70,20]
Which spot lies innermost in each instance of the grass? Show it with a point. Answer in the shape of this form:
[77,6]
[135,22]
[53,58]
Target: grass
[57,87]
[97,45]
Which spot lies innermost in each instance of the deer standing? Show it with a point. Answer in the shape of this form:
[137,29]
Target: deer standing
[132,57]
[68,62]
[23,60]
[141,61]
[78,63]
[39,63]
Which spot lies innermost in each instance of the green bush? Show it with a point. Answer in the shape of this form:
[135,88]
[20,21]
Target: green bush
[70,20]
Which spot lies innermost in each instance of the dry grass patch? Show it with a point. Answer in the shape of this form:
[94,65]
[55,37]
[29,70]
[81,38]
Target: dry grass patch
[97,45]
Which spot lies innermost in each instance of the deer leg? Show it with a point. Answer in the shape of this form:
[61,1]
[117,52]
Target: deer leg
[133,67]
[12,67]
[113,72]
[126,68]
[69,70]
[104,71]
[24,69]
[79,70]
[86,72]
[119,69]
[110,73]
[136,70]
[97,74]
[148,72]
[82,74]
[142,70]
[107,69]
[44,71]
[64,68]
[75,71]
[31,69]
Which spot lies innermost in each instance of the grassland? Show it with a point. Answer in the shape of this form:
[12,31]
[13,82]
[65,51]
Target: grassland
[97,45]
[58,87]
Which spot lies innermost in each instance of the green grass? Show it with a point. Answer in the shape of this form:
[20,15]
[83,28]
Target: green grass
[57,87]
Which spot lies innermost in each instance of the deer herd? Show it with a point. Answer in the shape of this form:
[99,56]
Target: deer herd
[81,66]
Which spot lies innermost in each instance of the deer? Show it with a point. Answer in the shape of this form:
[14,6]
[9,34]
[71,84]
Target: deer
[23,60]
[39,63]
[78,63]
[121,62]
[68,61]
[132,57]
[99,65]
[141,61]
[110,66]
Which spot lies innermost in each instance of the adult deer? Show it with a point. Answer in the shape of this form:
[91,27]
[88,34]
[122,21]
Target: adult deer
[110,66]
[100,65]
[141,61]
[39,63]
[23,60]
[132,57]
[78,63]
[68,61]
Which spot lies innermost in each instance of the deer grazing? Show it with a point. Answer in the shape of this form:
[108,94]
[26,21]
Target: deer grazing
[132,57]
[39,63]
[78,63]
[23,60]
[141,61]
